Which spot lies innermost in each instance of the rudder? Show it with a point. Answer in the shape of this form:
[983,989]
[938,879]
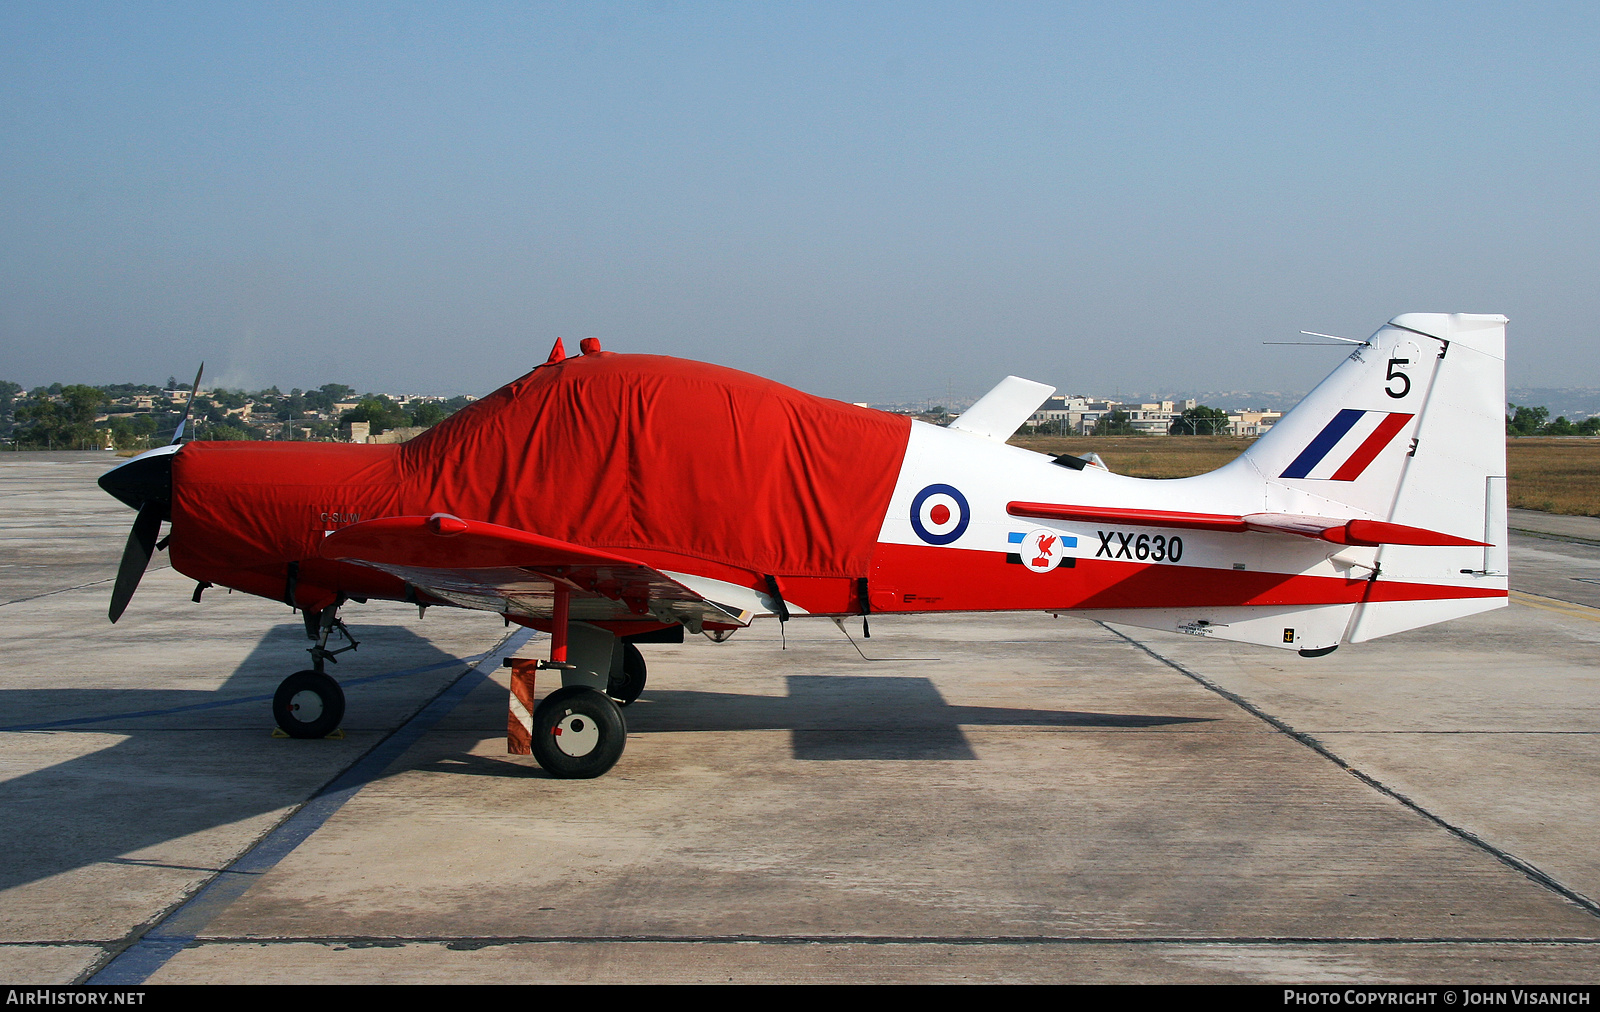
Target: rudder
[1410,430]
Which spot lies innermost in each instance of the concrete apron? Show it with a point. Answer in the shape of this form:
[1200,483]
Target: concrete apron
[1004,797]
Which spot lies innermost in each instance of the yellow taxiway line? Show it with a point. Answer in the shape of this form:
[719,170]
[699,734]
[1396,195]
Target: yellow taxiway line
[1567,608]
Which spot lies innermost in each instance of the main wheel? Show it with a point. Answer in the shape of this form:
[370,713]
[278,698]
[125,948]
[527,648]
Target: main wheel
[625,688]
[308,704]
[578,733]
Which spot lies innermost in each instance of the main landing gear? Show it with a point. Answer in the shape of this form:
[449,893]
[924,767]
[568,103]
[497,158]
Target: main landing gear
[310,704]
[577,731]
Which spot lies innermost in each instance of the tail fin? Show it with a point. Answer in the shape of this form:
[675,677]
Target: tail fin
[1410,430]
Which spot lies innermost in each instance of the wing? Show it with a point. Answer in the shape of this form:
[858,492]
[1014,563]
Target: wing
[487,567]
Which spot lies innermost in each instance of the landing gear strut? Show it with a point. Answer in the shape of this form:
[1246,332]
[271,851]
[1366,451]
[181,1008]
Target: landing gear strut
[577,731]
[310,704]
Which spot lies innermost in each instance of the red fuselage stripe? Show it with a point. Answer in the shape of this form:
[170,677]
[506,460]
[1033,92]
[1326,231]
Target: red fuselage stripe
[917,578]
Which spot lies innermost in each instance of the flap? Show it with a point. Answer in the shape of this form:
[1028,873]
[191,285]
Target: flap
[488,567]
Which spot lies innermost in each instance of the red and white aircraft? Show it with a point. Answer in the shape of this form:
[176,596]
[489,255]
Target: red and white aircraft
[612,500]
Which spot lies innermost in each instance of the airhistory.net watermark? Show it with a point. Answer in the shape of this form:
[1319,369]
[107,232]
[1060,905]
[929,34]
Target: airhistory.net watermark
[63,996]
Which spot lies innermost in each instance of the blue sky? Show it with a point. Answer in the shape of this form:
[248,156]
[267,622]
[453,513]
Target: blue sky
[870,201]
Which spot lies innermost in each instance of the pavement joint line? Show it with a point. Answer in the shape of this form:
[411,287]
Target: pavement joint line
[1335,730]
[1506,858]
[150,946]
[487,941]
[1546,535]
[163,864]
[216,703]
[81,586]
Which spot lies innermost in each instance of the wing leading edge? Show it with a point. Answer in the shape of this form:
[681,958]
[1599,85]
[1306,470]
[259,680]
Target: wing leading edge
[487,567]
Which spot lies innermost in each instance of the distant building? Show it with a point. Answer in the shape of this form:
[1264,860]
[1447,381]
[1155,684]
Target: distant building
[1076,414]
[1156,418]
[1073,414]
[398,435]
[1252,423]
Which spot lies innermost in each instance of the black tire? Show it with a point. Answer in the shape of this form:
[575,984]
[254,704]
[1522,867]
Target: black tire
[308,704]
[625,688]
[578,719]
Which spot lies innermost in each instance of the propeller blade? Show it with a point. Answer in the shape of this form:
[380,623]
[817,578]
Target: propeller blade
[136,556]
[193,393]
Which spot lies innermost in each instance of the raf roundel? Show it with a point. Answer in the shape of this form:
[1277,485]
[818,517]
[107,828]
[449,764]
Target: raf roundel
[939,514]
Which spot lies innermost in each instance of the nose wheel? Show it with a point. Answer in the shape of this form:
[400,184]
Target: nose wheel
[578,733]
[308,704]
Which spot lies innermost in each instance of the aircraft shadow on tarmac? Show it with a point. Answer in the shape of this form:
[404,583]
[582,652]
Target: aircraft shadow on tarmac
[833,717]
[188,760]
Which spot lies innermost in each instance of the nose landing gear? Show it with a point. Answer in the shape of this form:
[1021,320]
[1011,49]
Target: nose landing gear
[310,704]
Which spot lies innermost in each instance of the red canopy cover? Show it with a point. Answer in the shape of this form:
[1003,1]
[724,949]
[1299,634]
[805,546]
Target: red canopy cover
[622,452]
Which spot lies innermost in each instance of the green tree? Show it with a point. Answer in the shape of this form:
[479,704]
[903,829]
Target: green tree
[293,406]
[1526,421]
[1200,421]
[133,432]
[62,417]
[324,397]
[381,412]
[428,413]
[1116,423]
[8,405]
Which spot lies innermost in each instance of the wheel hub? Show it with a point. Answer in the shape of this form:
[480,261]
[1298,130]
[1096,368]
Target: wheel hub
[577,734]
[306,706]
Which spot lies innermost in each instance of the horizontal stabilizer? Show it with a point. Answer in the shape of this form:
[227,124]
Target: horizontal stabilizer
[1351,531]
[1001,411]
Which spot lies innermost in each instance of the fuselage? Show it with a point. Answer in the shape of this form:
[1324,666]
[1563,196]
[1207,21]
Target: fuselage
[723,480]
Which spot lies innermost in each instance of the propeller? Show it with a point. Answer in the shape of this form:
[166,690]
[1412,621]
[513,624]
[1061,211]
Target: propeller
[194,392]
[136,556]
[145,483]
